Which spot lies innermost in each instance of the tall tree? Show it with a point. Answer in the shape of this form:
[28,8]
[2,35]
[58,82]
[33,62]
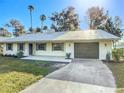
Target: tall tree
[45,28]
[42,18]
[31,8]
[111,27]
[18,28]
[66,20]
[95,16]
[38,29]
[99,19]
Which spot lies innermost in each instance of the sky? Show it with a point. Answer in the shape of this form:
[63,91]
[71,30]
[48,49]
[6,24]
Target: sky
[18,9]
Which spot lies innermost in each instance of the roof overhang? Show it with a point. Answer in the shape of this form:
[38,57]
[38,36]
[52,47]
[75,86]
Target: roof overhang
[72,40]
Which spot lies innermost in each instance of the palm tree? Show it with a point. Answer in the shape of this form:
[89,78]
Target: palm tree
[42,18]
[31,8]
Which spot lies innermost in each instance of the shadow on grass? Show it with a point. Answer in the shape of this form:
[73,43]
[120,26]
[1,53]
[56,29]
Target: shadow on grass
[9,64]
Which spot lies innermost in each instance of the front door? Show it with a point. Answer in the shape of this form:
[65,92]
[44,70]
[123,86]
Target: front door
[30,49]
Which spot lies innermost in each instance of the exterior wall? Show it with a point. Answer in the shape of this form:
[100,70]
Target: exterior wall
[104,48]
[49,52]
[14,51]
[68,48]
[26,50]
[10,52]
[1,48]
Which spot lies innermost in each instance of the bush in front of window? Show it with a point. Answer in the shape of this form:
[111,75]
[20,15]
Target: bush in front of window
[20,54]
[9,55]
[68,55]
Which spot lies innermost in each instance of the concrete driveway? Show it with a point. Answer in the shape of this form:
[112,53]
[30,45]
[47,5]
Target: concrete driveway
[80,76]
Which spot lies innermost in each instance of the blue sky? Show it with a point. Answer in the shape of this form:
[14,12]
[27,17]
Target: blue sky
[17,9]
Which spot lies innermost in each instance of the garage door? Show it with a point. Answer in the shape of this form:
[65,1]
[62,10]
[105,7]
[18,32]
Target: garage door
[86,50]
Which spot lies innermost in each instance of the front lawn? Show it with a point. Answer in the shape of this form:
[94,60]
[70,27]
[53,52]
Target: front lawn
[13,82]
[120,90]
[118,72]
[16,74]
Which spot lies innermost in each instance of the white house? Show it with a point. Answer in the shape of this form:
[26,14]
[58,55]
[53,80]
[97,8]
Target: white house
[93,44]
[1,44]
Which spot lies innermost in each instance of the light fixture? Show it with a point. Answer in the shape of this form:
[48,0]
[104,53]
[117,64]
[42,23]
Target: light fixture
[105,44]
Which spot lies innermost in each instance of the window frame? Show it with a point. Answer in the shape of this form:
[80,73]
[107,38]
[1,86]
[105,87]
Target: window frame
[21,45]
[61,46]
[9,48]
[41,46]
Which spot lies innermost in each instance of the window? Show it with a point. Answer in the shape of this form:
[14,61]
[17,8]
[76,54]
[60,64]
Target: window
[58,47]
[9,46]
[21,46]
[41,46]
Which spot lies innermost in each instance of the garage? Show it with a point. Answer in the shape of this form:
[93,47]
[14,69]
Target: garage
[86,50]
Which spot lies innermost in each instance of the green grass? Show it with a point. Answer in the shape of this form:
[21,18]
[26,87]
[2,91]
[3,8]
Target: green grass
[120,90]
[118,72]
[16,74]
[13,82]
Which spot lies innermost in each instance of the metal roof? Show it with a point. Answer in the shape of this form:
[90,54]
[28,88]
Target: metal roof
[65,36]
[3,38]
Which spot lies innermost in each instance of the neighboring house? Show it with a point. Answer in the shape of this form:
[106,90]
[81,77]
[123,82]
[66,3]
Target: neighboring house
[1,44]
[94,44]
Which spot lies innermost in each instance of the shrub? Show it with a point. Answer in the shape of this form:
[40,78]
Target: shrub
[118,54]
[108,57]
[9,55]
[20,54]
[14,55]
[68,55]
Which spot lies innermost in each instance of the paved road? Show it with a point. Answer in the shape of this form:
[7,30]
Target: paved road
[80,76]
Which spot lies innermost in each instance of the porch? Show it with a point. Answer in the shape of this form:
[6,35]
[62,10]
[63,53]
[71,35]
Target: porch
[48,58]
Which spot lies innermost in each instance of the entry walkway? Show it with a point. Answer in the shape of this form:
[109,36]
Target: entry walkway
[48,58]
